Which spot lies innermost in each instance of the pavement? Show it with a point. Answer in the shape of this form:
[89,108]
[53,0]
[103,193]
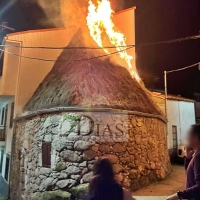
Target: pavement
[160,190]
[2,198]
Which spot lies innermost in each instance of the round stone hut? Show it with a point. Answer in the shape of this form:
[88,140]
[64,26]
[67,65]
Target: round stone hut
[86,109]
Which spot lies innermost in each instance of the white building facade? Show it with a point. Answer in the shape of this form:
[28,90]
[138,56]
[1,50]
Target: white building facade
[180,116]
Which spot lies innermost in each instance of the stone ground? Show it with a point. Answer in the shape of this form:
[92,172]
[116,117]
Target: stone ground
[158,191]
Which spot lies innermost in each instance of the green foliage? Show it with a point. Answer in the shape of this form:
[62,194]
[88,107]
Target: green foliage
[79,191]
[56,195]
[74,118]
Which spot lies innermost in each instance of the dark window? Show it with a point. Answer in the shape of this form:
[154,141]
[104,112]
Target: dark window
[2,116]
[174,137]
[7,167]
[1,161]
[46,154]
[5,119]
[1,63]
[12,114]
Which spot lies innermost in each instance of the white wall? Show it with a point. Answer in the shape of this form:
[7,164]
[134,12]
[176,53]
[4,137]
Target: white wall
[173,120]
[182,115]
[187,117]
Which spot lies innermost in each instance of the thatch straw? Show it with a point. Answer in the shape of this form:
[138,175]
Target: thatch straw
[90,83]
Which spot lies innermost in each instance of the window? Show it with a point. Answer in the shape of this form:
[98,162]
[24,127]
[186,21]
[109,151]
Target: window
[1,161]
[7,167]
[12,114]
[2,116]
[174,137]
[1,63]
[46,154]
[5,119]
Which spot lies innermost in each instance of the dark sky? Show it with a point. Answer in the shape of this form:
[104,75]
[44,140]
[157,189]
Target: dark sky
[156,20]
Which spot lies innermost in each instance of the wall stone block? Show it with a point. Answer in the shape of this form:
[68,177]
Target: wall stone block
[135,145]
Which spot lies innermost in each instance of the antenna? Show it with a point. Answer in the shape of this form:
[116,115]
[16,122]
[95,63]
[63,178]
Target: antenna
[5,26]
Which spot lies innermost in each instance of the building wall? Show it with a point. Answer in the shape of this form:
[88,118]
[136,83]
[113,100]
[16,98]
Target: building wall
[125,22]
[182,115]
[197,106]
[7,148]
[134,144]
[187,117]
[173,120]
[10,69]
[160,103]
[30,73]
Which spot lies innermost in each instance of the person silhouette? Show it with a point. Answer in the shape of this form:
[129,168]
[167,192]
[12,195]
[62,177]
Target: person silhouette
[192,166]
[103,185]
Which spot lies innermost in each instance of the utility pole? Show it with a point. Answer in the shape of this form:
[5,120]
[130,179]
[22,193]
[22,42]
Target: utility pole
[165,84]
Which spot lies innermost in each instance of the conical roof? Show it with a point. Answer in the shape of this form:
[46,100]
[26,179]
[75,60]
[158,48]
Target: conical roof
[90,83]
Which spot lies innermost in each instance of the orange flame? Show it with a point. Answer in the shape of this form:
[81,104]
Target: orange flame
[100,18]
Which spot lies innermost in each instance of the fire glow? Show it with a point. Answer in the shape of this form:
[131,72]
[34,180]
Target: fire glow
[99,20]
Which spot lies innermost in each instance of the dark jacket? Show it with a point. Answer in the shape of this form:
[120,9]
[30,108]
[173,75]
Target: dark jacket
[192,167]
[105,190]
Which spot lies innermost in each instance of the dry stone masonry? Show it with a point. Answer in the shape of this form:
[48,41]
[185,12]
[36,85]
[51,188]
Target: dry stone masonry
[134,144]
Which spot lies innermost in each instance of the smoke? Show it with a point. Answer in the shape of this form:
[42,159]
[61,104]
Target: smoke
[117,5]
[69,13]
[65,13]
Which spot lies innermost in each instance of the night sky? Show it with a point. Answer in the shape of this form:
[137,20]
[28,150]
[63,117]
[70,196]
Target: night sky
[156,20]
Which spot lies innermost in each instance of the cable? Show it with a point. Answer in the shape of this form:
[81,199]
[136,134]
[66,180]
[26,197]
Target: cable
[172,41]
[55,48]
[105,54]
[109,47]
[49,60]
[190,66]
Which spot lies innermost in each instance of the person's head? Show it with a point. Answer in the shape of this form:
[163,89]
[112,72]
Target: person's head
[103,168]
[193,137]
[103,185]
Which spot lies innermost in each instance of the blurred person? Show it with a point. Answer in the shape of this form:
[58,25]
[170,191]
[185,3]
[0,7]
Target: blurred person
[103,186]
[192,166]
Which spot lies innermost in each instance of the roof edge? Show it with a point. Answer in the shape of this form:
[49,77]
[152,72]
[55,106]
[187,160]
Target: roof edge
[171,97]
[38,30]
[82,109]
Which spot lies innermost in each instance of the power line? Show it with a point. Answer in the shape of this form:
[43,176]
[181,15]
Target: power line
[106,47]
[181,69]
[56,48]
[194,37]
[49,60]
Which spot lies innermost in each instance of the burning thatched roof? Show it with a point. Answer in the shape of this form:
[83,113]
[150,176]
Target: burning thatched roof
[90,83]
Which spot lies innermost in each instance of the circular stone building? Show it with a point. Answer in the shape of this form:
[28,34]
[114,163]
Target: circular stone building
[85,110]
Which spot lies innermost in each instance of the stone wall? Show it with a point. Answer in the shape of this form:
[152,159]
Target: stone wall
[134,144]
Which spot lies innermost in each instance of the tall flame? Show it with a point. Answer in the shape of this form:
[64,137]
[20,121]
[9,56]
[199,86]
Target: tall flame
[99,19]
